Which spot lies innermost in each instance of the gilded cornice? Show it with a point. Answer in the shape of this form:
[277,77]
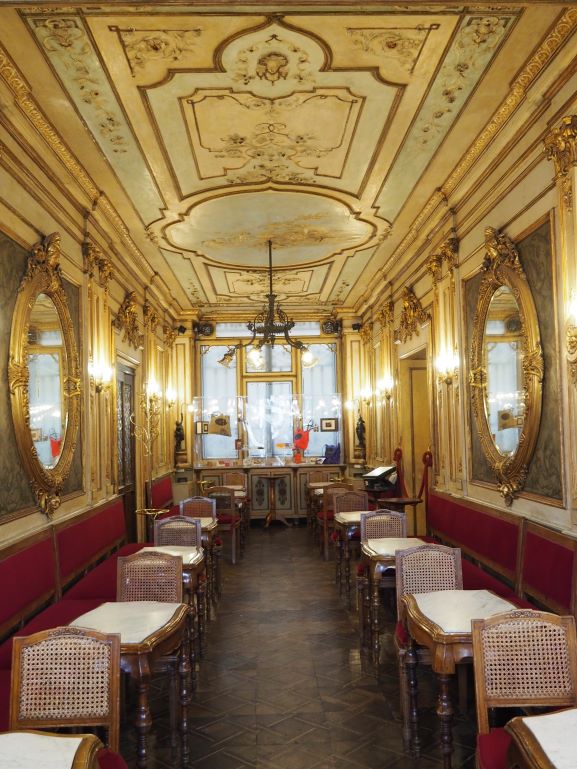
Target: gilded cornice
[561,145]
[412,316]
[557,37]
[96,260]
[127,320]
[151,319]
[19,88]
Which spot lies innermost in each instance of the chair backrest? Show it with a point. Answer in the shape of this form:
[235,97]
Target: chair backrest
[383,523]
[66,677]
[149,576]
[224,499]
[332,490]
[178,530]
[524,658]
[427,568]
[351,501]
[198,507]
[317,476]
[234,478]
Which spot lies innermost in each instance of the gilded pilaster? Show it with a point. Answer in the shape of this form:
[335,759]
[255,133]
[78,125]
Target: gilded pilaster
[561,148]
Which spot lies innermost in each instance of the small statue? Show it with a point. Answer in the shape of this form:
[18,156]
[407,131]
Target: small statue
[360,431]
[178,434]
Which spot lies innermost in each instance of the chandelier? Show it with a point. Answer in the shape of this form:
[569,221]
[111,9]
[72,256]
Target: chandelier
[270,323]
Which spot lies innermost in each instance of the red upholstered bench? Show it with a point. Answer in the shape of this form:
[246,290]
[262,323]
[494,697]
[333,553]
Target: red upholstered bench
[161,494]
[548,571]
[489,540]
[100,582]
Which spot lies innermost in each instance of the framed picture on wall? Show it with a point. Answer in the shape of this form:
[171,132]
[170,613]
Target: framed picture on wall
[329,425]
[205,427]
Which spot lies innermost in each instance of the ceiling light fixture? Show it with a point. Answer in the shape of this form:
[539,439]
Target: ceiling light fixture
[269,324]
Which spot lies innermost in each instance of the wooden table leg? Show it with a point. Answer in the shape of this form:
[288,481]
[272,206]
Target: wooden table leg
[339,559]
[411,660]
[445,712]
[184,672]
[143,719]
[347,554]
[375,622]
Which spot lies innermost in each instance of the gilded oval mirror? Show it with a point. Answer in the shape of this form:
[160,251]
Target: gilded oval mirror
[506,365]
[44,375]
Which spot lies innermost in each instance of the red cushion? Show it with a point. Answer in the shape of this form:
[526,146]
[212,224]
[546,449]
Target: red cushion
[328,514]
[492,749]
[227,519]
[60,613]
[80,543]
[401,635]
[108,759]
[171,510]
[19,588]
[4,700]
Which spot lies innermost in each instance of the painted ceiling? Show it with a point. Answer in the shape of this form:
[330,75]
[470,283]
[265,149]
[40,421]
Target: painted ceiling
[223,129]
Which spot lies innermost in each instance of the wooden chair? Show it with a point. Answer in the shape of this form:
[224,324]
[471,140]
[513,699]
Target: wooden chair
[68,677]
[422,569]
[234,479]
[227,515]
[374,525]
[522,658]
[150,576]
[325,514]
[178,530]
[349,502]
[198,507]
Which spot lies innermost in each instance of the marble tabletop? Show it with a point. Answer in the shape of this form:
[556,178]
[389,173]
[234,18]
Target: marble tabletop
[387,546]
[191,556]
[555,733]
[453,610]
[134,621]
[208,524]
[21,750]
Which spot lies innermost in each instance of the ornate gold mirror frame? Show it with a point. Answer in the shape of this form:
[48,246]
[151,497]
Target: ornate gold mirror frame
[43,277]
[502,267]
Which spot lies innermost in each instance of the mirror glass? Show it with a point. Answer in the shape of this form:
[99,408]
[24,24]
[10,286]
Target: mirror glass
[503,353]
[46,364]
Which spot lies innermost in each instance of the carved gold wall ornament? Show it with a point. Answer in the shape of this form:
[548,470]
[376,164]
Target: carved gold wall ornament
[386,314]
[41,292]
[366,333]
[448,252]
[170,335]
[561,145]
[435,266]
[505,285]
[127,321]
[151,318]
[412,316]
[97,261]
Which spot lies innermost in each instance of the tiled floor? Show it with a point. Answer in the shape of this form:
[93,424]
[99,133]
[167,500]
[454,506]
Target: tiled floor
[282,684]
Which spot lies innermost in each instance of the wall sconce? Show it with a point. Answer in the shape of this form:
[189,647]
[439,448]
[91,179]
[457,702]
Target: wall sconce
[365,396]
[100,374]
[385,387]
[169,397]
[447,365]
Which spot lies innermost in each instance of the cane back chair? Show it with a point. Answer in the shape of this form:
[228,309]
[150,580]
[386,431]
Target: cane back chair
[522,658]
[227,515]
[198,507]
[349,502]
[68,677]
[423,569]
[325,515]
[236,479]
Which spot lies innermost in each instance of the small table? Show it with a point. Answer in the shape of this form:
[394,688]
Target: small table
[148,631]
[379,553]
[271,478]
[441,621]
[21,750]
[543,742]
[399,504]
